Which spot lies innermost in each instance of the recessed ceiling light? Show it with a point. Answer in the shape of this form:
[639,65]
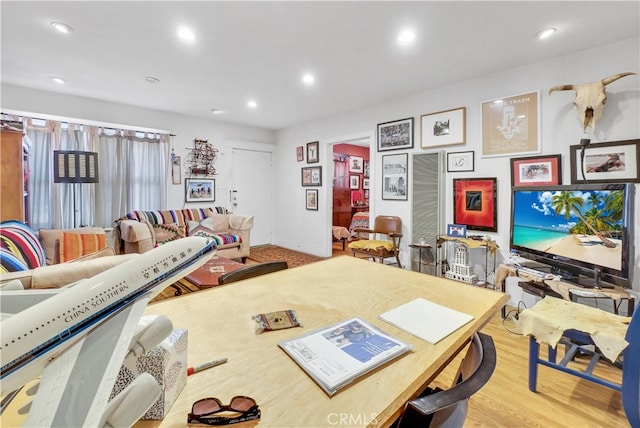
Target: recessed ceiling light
[546,33]
[151,79]
[58,80]
[216,111]
[406,37]
[252,104]
[308,79]
[186,34]
[63,28]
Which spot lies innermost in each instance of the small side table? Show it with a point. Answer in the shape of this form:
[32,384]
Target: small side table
[419,247]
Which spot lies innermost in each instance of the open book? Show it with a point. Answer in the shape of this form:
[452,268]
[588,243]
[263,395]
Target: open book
[336,355]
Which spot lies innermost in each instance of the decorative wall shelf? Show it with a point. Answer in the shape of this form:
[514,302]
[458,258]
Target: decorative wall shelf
[201,158]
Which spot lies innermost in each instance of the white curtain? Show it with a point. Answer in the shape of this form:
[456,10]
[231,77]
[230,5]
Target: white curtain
[133,170]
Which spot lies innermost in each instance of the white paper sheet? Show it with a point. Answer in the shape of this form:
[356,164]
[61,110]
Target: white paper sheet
[426,320]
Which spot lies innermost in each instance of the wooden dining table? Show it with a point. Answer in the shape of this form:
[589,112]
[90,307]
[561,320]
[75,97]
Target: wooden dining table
[220,325]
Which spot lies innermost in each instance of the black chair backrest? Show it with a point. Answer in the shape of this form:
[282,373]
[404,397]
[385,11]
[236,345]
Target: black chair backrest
[251,271]
[449,407]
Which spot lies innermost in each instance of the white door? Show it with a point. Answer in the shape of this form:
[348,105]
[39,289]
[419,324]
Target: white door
[251,191]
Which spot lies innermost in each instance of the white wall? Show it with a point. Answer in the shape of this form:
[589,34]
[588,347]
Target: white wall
[223,136]
[310,230]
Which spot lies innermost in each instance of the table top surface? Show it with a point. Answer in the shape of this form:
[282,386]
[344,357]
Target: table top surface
[207,275]
[220,324]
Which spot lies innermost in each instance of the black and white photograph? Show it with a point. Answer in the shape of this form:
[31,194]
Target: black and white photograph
[356,164]
[354,182]
[444,128]
[460,161]
[394,176]
[395,135]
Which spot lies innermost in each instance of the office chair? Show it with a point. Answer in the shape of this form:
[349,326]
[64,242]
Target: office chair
[391,227]
[440,408]
[251,271]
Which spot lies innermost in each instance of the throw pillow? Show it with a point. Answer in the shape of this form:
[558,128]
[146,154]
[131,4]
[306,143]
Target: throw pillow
[220,222]
[167,232]
[205,228]
[21,249]
[76,245]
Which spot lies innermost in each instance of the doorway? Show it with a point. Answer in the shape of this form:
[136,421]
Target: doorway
[251,191]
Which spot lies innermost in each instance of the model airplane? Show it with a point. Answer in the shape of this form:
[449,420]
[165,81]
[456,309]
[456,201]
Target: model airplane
[77,337]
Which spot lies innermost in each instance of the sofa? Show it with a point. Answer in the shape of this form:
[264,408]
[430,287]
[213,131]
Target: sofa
[139,231]
[52,258]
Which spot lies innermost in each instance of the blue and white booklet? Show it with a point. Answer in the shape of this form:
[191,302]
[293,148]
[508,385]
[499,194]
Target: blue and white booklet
[336,355]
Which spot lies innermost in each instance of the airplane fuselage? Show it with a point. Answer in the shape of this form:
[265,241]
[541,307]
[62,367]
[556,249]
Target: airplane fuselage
[31,338]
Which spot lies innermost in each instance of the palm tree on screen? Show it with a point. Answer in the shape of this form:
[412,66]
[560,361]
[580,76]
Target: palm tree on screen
[565,202]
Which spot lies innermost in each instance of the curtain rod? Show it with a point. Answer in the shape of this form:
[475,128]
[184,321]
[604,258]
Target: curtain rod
[87,122]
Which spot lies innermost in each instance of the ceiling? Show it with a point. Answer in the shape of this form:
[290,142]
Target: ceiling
[259,50]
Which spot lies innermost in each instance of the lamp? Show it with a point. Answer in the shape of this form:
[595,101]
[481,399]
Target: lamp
[584,142]
[73,166]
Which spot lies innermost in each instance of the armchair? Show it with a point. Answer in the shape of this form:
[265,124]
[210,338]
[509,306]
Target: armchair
[391,227]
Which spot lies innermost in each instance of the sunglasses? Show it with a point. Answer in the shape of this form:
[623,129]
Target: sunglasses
[204,411]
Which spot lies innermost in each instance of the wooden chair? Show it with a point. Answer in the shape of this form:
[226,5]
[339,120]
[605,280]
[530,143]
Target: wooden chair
[391,227]
[251,271]
[449,407]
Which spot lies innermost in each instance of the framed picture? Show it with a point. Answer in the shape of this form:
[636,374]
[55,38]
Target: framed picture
[457,230]
[311,198]
[444,128]
[200,190]
[312,176]
[356,164]
[176,170]
[511,126]
[354,182]
[475,204]
[313,155]
[394,176]
[395,135]
[614,162]
[366,168]
[366,194]
[536,171]
[460,161]
[300,153]
[365,183]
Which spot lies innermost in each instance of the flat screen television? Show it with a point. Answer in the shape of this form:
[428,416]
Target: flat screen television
[584,232]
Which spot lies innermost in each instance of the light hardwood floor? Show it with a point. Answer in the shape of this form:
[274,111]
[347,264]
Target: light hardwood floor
[561,401]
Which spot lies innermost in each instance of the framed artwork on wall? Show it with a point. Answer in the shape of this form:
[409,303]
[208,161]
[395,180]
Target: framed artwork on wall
[536,171]
[613,162]
[475,204]
[394,176]
[313,155]
[460,161]
[395,135]
[356,164]
[366,168]
[299,153]
[176,170]
[312,176]
[354,182]
[457,230]
[444,128]
[200,190]
[311,198]
[365,183]
[510,125]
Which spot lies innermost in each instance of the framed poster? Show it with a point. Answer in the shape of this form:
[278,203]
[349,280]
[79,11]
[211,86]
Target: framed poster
[366,168]
[356,164]
[511,125]
[311,198]
[536,171]
[176,170]
[200,190]
[395,135]
[354,182]
[444,128]
[312,176]
[394,176]
[614,162]
[299,153]
[365,183]
[312,152]
[460,161]
[475,204]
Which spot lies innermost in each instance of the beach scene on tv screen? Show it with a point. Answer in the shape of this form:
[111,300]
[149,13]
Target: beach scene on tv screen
[581,225]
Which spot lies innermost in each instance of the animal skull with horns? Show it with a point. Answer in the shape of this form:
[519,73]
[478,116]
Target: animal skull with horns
[590,99]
